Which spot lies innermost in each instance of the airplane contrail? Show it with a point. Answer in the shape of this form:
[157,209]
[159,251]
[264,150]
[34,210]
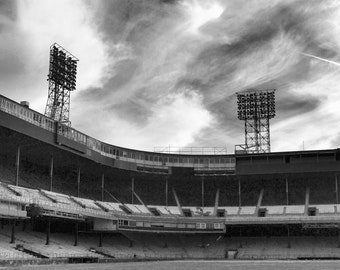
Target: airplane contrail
[322,59]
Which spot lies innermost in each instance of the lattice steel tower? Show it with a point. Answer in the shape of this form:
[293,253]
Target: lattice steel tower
[62,80]
[256,107]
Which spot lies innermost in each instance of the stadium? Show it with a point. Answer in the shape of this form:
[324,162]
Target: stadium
[67,197]
[161,72]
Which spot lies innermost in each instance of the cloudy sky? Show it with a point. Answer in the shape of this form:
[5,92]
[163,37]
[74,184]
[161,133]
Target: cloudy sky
[157,73]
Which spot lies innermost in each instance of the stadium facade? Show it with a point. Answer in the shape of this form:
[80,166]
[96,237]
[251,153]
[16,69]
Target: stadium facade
[70,197]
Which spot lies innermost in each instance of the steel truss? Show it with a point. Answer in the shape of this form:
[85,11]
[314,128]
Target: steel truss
[62,80]
[256,107]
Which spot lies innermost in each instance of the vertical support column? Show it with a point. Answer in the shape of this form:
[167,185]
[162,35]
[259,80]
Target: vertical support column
[307,200]
[76,233]
[100,240]
[259,202]
[78,183]
[103,183]
[17,167]
[288,237]
[132,188]
[166,191]
[240,244]
[336,189]
[24,225]
[202,188]
[48,230]
[287,191]
[51,174]
[217,198]
[13,232]
[177,202]
[239,193]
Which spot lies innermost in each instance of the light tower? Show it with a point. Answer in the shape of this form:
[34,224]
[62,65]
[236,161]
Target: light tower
[61,81]
[256,107]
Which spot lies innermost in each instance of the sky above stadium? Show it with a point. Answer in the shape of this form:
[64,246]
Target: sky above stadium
[157,73]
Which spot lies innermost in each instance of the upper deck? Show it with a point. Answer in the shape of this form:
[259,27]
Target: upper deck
[31,123]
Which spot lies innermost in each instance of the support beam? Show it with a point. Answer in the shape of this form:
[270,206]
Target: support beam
[113,197]
[76,233]
[259,201]
[217,198]
[103,184]
[132,188]
[166,191]
[48,230]
[141,201]
[13,232]
[307,201]
[100,239]
[336,189]
[288,237]
[239,193]
[17,164]
[287,192]
[177,202]
[78,183]
[240,244]
[51,174]
[202,189]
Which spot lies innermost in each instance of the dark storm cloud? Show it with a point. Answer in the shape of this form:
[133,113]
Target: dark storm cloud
[296,105]
[133,21]
[253,44]
[217,65]
[136,110]
[12,48]
[169,1]
[8,8]
[130,28]
[336,140]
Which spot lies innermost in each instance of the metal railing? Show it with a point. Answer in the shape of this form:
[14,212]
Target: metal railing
[186,156]
[191,150]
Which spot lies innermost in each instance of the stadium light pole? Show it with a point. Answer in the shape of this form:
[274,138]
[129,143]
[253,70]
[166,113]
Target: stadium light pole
[256,108]
[62,80]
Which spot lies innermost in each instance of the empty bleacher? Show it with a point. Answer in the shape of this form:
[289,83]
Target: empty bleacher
[278,248]
[295,209]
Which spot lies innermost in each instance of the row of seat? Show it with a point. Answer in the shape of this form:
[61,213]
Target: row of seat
[88,206]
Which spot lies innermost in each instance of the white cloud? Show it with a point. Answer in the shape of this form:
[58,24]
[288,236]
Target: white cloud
[175,120]
[317,128]
[201,12]
[151,55]
[69,23]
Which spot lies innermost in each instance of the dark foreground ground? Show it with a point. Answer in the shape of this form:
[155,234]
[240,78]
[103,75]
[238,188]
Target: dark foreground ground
[195,265]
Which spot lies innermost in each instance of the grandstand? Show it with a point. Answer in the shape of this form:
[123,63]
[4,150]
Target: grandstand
[68,197]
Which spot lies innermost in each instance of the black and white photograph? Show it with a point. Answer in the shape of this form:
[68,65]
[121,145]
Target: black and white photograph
[169,134]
